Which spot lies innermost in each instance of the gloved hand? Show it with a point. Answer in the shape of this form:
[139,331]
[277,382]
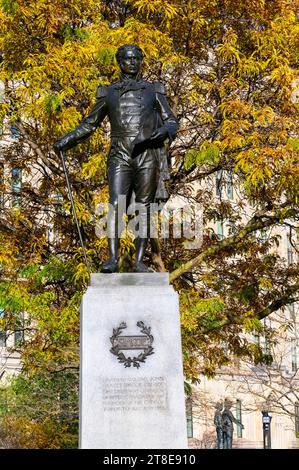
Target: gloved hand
[59,146]
[159,135]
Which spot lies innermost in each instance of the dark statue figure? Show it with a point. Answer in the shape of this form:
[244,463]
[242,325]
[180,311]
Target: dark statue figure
[223,420]
[218,424]
[141,121]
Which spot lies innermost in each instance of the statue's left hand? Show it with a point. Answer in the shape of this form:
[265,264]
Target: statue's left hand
[159,135]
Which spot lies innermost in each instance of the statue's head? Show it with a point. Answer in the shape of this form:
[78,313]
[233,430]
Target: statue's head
[228,403]
[129,58]
[219,405]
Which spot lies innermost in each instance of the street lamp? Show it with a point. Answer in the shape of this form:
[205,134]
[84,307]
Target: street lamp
[266,418]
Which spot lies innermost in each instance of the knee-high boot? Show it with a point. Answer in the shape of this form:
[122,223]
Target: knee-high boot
[111,265]
[140,244]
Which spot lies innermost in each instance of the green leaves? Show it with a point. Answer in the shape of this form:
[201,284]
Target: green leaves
[207,154]
[53,103]
[9,6]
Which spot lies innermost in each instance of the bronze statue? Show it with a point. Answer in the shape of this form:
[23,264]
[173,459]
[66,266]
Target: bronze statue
[141,121]
[218,424]
[227,424]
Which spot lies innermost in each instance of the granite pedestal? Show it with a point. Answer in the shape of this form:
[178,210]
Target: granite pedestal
[131,385]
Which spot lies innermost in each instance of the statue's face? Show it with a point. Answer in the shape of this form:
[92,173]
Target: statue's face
[130,62]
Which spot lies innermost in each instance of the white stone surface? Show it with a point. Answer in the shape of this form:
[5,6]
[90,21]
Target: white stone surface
[131,408]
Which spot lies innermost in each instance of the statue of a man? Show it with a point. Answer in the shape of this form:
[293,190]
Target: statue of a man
[218,424]
[227,424]
[141,121]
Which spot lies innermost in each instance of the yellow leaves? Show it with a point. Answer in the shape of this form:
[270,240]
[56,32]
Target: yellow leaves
[126,243]
[231,126]
[278,137]
[229,50]
[275,169]
[6,259]
[282,75]
[256,164]
[233,142]
[25,433]
[265,283]
[251,323]
[81,275]
[93,169]
[234,108]
[233,133]
[68,119]
[251,66]
[83,214]
[155,43]
[161,7]
[264,116]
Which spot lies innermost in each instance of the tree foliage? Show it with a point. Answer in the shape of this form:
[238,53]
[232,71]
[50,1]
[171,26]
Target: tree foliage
[40,411]
[228,67]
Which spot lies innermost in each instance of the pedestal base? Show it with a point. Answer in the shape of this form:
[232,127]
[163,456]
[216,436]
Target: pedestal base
[131,391]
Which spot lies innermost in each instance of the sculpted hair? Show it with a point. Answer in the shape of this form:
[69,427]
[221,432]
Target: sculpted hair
[126,47]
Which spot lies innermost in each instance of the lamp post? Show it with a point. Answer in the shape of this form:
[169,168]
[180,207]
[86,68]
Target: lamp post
[266,418]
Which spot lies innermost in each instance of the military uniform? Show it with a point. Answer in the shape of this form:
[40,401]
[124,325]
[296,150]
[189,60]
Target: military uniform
[135,109]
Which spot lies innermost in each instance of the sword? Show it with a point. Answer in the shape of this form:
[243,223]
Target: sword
[74,210]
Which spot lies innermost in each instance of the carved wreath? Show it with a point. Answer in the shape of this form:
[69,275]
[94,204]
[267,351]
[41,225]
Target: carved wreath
[128,361]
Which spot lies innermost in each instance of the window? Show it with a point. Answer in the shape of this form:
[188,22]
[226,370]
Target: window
[231,228]
[19,331]
[239,417]
[267,346]
[297,419]
[230,185]
[19,337]
[16,186]
[289,250]
[291,309]
[58,201]
[2,339]
[219,182]
[263,235]
[189,416]
[219,229]
[225,178]
[3,335]
[1,184]
[257,339]
[294,355]
[14,132]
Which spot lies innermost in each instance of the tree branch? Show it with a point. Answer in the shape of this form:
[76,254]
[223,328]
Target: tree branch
[257,222]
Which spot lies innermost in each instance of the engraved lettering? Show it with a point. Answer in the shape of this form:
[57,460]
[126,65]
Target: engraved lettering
[147,393]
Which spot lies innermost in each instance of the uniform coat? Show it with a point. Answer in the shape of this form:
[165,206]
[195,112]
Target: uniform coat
[135,109]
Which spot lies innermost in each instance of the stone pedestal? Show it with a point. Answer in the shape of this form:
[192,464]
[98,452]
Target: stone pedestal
[131,391]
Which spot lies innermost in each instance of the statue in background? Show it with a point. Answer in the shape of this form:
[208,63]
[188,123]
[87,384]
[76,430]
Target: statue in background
[218,424]
[223,420]
[227,424]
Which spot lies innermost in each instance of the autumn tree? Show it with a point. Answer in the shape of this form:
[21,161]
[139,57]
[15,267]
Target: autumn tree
[229,69]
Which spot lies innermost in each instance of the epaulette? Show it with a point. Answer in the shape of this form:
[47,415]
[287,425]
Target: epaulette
[102,91]
[159,87]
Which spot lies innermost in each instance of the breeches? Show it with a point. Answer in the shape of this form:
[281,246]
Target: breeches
[140,175]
